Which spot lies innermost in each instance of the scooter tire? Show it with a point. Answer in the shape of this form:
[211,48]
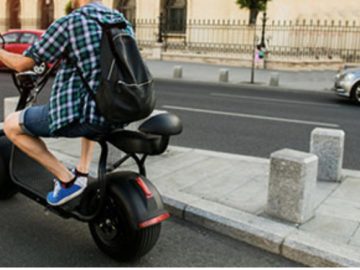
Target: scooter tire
[116,237]
[7,187]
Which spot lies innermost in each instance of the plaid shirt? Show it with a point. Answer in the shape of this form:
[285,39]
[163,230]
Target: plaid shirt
[78,37]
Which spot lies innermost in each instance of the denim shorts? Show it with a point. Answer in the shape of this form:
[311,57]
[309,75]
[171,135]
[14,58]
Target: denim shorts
[34,121]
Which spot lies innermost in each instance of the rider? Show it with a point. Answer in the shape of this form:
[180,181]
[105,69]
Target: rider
[71,111]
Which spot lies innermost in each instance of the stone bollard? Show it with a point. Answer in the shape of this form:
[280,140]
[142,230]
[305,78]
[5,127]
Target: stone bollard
[292,185]
[178,72]
[224,75]
[274,79]
[328,145]
[10,104]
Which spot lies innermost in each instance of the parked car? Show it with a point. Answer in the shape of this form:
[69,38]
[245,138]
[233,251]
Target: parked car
[17,41]
[347,84]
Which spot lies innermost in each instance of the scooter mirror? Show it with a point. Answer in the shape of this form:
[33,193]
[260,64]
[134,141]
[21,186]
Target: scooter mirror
[2,42]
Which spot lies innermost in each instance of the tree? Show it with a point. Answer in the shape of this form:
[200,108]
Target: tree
[255,6]
[68,8]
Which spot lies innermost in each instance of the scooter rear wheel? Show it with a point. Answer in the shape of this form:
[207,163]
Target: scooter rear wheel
[114,235]
[7,187]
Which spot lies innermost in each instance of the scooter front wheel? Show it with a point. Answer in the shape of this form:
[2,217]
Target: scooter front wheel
[114,235]
[7,187]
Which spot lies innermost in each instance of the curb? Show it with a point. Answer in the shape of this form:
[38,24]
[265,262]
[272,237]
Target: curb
[245,84]
[278,238]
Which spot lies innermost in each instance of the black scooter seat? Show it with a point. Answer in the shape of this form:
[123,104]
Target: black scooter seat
[162,124]
[152,137]
[132,142]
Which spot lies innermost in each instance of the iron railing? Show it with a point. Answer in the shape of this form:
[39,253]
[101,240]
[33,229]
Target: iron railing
[284,39]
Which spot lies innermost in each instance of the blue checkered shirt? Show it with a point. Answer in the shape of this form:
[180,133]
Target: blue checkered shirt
[78,37]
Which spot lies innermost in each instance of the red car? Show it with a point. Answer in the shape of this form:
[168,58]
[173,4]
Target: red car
[17,41]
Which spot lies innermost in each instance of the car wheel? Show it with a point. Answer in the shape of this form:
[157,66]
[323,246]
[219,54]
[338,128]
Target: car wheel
[40,69]
[355,93]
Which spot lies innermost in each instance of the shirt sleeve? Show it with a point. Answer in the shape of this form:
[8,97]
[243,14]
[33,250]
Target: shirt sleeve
[52,44]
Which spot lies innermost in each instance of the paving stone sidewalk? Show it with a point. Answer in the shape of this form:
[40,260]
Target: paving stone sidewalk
[298,80]
[227,193]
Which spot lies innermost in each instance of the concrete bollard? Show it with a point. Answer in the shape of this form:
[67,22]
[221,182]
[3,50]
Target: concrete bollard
[328,145]
[292,185]
[178,72]
[224,75]
[274,79]
[10,104]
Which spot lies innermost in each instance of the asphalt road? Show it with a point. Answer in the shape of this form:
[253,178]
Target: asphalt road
[29,238]
[247,120]
[243,120]
[255,121]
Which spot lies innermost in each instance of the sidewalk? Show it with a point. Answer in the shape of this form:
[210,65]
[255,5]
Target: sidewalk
[299,80]
[227,193]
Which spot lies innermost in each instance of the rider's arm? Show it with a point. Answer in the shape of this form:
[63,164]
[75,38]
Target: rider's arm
[53,43]
[16,62]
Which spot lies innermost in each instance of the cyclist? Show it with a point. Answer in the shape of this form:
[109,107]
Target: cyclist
[71,111]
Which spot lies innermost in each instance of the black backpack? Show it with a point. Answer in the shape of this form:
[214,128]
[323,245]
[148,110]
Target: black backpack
[125,93]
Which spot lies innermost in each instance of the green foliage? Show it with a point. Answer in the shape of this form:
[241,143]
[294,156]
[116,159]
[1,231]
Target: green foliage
[258,5]
[68,8]
[255,6]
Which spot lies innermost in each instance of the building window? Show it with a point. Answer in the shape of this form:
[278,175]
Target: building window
[13,12]
[174,12]
[128,8]
[47,13]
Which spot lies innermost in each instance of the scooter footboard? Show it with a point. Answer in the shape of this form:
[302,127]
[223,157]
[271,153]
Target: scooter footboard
[141,200]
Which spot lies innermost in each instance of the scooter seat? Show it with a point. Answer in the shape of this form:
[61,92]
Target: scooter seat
[165,124]
[132,142]
[152,137]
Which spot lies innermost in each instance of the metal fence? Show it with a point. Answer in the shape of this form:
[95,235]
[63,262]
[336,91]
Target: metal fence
[284,39]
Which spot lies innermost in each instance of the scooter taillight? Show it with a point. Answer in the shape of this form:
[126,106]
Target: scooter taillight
[144,188]
[154,221]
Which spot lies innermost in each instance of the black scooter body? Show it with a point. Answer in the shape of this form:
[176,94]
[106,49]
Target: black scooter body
[123,208]
[31,179]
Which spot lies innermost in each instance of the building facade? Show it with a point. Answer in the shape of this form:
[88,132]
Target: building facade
[38,13]
[294,29]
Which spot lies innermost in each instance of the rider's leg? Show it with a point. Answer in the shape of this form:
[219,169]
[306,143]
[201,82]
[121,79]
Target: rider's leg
[87,150]
[35,148]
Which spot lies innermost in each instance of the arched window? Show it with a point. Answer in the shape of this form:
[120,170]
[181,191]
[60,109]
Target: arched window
[174,14]
[128,8]
[47,13]
[13,13]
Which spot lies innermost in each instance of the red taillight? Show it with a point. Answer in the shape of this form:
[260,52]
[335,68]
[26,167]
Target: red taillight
[154,221]
[144,188]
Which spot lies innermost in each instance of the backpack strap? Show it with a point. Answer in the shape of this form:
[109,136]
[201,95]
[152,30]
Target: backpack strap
[87,86]
[106,28]
[121,25]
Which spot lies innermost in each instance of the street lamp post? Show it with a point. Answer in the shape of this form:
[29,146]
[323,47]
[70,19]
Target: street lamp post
[264,19]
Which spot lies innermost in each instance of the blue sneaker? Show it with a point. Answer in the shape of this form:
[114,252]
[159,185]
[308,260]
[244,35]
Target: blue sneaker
[62,195]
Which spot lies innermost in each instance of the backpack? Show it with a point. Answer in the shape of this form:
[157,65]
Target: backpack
[125,93]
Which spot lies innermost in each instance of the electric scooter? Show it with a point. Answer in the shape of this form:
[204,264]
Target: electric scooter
[123,209]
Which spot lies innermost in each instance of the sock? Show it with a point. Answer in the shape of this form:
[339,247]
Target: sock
[77,173]
[68,184]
